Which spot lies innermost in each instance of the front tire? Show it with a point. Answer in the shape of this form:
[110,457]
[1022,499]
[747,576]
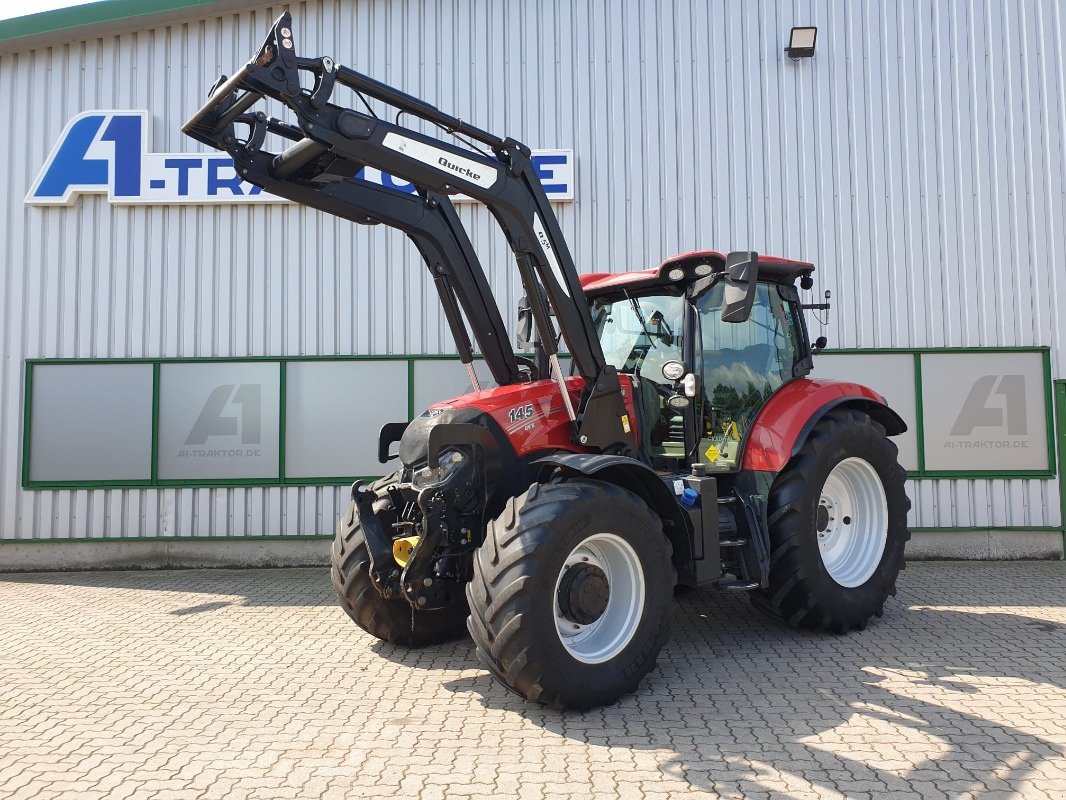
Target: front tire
[390,620]
[572,592]
[838,525]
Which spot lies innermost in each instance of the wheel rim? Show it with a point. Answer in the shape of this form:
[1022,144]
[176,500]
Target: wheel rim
[851,522]
[596,625]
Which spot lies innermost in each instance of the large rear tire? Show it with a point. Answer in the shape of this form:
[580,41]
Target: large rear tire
[391,620]
[572,592]
[838,525]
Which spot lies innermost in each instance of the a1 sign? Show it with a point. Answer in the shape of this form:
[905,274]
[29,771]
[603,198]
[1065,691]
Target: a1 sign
[109,152]
[985,412]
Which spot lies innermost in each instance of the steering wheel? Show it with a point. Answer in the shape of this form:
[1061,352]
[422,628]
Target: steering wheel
[529,364]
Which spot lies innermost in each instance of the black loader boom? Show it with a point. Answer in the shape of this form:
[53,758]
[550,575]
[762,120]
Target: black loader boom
[427,218]
[332,143]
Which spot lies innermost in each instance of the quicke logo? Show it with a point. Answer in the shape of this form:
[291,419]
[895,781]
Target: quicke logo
[469,173]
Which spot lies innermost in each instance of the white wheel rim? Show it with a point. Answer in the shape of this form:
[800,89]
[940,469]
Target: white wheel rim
[851,522]
[604,638]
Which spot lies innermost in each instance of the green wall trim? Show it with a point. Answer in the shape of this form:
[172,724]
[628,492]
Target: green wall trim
[919,413]
[976,528]
[90,14]
[1055,453]
[920,350]
[327,536]
[282,401]
[1060,428]
[27,416]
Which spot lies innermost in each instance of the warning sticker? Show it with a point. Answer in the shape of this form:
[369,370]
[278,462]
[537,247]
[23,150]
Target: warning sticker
[625,423]
[711,453]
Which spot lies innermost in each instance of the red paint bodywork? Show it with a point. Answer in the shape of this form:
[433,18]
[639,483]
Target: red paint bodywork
[779,424]
[549,428]
[769,443]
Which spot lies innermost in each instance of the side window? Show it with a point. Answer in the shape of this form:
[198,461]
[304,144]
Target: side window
[786,343]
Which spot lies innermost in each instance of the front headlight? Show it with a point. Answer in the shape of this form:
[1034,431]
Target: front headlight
[450,462]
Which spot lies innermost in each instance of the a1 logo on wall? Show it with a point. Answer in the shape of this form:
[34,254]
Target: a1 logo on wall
[109,152]
[985,411]
[996,402]
[245,426]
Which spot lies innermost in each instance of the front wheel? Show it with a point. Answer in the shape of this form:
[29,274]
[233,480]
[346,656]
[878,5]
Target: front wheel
[838,526]
[571,594]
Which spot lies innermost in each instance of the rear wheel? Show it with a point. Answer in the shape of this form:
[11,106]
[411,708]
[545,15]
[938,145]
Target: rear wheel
[571,595]
[838,526]
[390,620]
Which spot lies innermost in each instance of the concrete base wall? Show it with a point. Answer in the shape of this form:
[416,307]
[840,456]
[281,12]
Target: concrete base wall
[305,552]
[985,545]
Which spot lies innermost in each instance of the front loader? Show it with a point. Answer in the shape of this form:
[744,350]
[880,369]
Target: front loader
[553,515]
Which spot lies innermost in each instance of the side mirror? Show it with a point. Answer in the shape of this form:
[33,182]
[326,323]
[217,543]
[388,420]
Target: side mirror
[524,333]
[741,276]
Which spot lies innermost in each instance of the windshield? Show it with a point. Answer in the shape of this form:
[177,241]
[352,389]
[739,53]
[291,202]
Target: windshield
[640,334]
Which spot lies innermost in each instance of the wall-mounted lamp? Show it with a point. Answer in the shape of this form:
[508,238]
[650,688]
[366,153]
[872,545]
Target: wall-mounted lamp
[801,42]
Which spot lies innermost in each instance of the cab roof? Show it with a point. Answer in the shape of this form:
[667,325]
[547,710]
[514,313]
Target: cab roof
[771,268]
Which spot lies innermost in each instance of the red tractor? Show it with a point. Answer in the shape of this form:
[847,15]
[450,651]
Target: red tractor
[553,515]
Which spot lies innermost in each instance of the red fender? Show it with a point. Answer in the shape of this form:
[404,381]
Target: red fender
[788,416]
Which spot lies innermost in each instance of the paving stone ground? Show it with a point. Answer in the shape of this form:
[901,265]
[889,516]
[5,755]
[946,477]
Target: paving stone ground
[254,684]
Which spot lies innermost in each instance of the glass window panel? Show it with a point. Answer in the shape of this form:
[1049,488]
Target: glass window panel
[219,420]
[91,422]
[334,411]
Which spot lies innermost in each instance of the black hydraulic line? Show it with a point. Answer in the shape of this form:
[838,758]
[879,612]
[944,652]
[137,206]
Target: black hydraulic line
[413,105]
[289,162]
[455,319]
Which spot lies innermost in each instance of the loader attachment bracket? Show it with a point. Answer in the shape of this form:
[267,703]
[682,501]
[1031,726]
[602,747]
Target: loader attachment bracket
[390,433]
[384,573]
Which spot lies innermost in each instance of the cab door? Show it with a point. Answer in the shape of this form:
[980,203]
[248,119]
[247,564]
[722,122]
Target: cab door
[740,366]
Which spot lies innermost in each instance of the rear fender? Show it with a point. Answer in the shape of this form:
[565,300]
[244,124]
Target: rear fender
[787,419]
[634,476]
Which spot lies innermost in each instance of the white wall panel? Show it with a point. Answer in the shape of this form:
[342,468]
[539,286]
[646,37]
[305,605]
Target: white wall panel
[918,159]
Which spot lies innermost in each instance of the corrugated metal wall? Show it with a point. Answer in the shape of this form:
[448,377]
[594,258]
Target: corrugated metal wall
[919,160]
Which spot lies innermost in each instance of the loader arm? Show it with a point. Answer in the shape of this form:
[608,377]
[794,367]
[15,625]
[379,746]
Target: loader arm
[342,140]
[429,220]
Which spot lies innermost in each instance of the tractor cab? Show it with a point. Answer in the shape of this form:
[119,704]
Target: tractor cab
[704,352]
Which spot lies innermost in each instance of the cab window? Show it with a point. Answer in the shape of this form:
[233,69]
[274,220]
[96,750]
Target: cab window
[742,365]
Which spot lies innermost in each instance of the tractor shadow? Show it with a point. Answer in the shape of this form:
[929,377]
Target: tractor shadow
[257,587]
[738,696]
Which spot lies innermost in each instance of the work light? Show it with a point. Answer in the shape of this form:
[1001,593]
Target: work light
[801,43]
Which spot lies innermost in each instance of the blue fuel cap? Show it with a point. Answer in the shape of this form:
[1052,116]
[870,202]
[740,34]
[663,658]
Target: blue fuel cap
[688,498]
